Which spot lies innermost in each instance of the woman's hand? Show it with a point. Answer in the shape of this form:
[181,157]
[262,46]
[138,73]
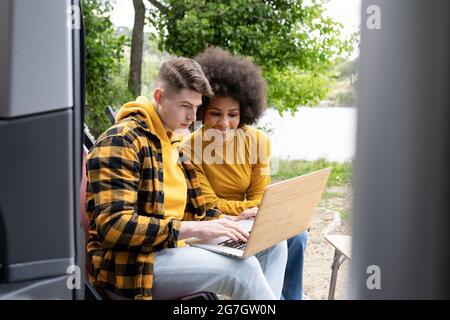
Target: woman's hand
[213,229]
[248,213]
[244,215]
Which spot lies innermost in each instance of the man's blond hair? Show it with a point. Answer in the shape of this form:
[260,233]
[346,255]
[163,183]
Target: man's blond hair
[180,73]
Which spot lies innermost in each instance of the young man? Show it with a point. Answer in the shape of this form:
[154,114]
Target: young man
[142,201]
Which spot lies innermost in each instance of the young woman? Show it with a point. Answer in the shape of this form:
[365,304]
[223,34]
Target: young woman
[230,157]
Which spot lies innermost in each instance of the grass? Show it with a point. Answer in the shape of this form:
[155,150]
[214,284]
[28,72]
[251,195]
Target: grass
[340,176]
[346,215]
[340,173]
[328,195]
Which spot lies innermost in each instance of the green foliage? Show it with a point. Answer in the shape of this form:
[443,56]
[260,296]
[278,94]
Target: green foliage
[290,88]
[293,41]
[330,195]
[104,52]
[344,89]
[274,33]
[151,60]
[266,128]
[340,173]
[347,69]
[346,98]
[346,214]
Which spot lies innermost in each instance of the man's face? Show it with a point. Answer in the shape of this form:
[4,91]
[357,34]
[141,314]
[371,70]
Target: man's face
[178,111]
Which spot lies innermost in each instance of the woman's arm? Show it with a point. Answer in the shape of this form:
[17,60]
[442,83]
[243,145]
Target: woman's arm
[230,207]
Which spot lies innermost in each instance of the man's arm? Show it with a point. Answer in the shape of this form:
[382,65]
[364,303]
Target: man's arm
[212,229]
[114,175]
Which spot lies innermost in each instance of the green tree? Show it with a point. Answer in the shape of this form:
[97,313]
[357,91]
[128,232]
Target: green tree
[137,44]
[104,51]
[348,69]
[294,42]
[152,59]
[290,88]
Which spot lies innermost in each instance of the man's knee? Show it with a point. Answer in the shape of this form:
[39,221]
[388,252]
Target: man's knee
[246,271]
[248,266]
[245,275]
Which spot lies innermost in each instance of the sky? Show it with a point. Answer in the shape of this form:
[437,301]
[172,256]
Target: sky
[345,11]
[348,12]
[123,14]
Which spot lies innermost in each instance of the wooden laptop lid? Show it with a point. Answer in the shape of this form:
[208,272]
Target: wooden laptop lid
[286,209]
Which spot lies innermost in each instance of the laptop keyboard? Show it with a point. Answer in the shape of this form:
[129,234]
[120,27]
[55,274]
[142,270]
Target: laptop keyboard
[240,245]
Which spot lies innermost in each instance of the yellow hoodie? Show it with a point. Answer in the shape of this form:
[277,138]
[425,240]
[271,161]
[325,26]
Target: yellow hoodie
[234,186]
[174,183]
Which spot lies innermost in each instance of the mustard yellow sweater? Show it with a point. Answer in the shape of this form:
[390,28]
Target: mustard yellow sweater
[234,171]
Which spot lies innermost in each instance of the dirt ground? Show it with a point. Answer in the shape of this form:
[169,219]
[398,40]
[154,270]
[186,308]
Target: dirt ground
[331,217]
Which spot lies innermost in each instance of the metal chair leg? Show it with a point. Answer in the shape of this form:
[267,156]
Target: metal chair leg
[334,272]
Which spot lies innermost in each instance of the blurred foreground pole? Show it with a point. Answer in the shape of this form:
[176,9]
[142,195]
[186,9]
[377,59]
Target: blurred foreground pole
[401,233]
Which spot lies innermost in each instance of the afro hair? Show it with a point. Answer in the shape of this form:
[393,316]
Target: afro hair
[236,77]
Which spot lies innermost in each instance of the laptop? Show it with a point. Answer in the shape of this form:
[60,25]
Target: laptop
[286,209]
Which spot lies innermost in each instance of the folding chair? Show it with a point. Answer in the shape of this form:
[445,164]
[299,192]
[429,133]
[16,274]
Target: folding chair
[342,251]
[110,114]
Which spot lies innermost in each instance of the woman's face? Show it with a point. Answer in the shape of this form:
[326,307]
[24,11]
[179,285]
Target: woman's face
[222,113]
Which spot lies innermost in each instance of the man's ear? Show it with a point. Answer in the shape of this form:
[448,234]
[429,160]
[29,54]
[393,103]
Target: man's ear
[158,95]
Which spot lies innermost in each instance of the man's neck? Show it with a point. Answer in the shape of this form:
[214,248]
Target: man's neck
[158,111]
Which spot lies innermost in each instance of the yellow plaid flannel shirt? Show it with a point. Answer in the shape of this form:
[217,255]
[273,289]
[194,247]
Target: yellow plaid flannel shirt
[125,205]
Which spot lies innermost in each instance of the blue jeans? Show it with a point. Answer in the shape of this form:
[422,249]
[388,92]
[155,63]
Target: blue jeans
[293,276]
[182,271]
